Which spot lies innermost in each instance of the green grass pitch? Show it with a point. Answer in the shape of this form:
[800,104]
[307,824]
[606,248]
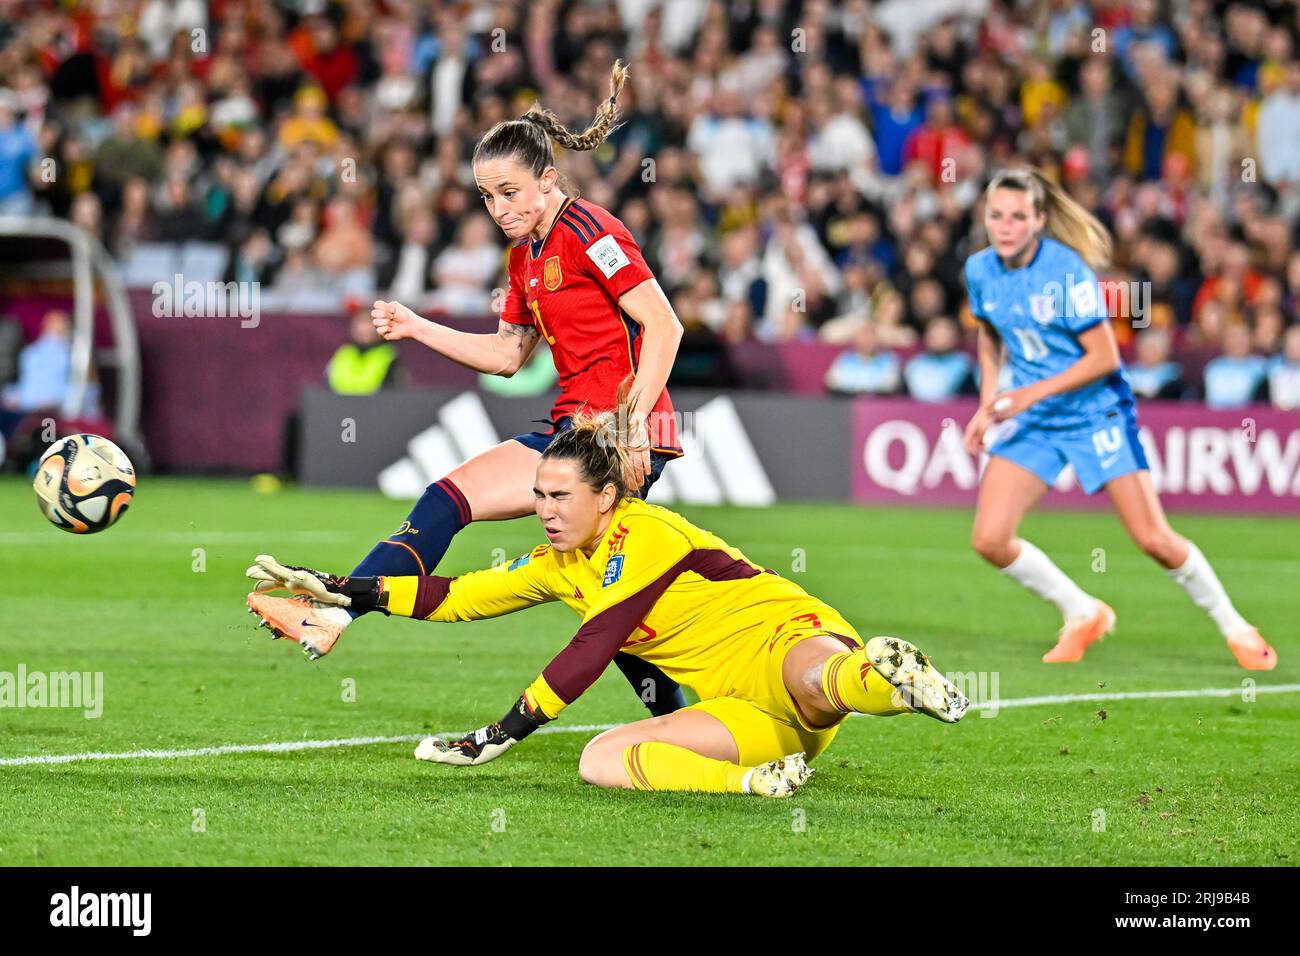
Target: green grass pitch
[156,605]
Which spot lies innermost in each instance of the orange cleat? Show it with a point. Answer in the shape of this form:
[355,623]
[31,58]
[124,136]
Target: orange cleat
[299,619]
[1252,651]
[1077,636]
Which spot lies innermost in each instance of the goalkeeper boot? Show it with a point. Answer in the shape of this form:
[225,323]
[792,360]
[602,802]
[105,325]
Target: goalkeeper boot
[1077,636]
[918,685]
[314,626]
[779,778]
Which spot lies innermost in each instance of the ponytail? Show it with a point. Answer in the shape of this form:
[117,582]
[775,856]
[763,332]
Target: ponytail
[528,139]
[606,120]
[1067,221]
[600,444]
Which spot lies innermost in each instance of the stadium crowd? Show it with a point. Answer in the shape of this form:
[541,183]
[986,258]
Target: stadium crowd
[793,170]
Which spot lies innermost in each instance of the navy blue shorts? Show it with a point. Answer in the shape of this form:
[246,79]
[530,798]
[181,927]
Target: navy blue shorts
[540,441]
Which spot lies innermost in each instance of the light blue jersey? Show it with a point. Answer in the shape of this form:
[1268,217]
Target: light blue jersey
[1040,311]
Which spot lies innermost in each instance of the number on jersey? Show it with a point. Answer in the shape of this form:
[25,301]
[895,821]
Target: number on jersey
[1031,344]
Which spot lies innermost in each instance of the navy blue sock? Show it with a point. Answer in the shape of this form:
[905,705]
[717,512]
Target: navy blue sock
[419,544]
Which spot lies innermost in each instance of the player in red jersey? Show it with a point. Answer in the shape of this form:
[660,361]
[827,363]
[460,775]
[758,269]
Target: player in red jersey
[577,279]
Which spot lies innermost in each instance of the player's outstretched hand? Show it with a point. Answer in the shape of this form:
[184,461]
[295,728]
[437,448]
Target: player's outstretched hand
[393,320]
[486,743]
[271,575]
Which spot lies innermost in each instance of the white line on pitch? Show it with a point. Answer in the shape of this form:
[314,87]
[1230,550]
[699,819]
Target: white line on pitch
[287,746]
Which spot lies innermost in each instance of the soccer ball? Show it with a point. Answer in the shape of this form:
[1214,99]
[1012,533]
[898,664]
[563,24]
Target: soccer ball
[84,483]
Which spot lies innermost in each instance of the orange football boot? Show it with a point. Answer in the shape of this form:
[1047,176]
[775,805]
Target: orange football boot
[1077,636]
[1252,651]
[299,619]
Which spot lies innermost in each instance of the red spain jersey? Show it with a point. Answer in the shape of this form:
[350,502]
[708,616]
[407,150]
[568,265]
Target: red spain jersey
[567,285]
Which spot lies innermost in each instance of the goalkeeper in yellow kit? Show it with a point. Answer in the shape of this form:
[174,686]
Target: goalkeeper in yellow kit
[777,670]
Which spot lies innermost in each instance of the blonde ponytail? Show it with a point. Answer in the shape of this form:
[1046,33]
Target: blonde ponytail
[601,446]
[1067,221]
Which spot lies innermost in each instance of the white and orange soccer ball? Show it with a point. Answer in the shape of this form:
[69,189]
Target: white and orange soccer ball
[84,483]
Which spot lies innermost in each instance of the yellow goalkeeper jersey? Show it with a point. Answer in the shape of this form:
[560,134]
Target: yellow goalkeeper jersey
[656,586]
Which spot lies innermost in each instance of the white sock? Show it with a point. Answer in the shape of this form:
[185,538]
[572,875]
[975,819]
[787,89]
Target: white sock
[1198,579]
[1035,571]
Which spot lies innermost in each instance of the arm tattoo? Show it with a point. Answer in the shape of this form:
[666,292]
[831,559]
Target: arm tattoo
[523,331]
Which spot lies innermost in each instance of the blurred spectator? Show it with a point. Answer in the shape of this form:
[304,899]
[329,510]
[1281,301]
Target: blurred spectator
[1236,377]
[732,148]
[867,368]
[1152,373]
[345,243]
[839,140]
[135,221]
[1094,119]
[364,364]
[1160,129]
[740,274]
[161,20]
[125,155]
[180,219]
[255,259]
[1236,286]
[887,314]
[1284,373]
[465,271]
[17,151]
[937,142]
[1144,30]
[1223,142]
[1278,131]
[702,359]
[941,372]
[321,52]
[801,281]
[895,115]
[309,122]
[407,275]
[44,375]
[1267,325]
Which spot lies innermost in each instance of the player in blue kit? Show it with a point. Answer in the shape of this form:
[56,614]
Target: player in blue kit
[1039,304]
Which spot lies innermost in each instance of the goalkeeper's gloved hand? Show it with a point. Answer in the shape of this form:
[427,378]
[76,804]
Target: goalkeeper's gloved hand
[486,743]
[362,594]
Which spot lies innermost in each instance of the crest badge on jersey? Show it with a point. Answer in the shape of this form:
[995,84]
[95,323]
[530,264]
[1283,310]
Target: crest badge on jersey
[613,570]
[551,274]
[1042,308]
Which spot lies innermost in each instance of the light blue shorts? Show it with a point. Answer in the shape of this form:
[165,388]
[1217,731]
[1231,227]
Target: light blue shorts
[1100,451]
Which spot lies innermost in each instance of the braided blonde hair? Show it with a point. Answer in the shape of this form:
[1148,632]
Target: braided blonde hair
[600,445]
